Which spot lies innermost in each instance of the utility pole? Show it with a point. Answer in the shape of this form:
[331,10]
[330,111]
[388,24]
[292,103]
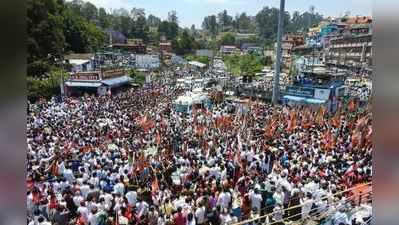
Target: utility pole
[276,78]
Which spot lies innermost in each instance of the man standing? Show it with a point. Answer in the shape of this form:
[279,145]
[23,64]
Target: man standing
[179,218]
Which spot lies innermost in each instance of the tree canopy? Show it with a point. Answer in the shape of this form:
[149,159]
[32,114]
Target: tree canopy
[264,23]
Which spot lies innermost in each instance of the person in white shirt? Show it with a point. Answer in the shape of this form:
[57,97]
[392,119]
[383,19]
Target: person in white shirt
[68,175]
[84,189]
[256,199]
[340,218]
[200,215]
[306,203]
[278,213]
[131,197]
[82,209]
[142,208]
[41,221]
[279,196]
[93,217]
[119,188]
[224,199]
[190,219]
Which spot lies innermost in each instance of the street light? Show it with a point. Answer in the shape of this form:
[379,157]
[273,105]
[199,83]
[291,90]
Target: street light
[276,78]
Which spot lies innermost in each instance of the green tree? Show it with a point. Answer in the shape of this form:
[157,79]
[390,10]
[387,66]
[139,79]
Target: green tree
[103,18]
[267,22]
[184,43]
[81,36]
[135,13]
[227,39]
[244,22]
[210,24]
[224,20]
[153,21]
[172,17]
[89,11]
[247,64]
[139,28]
[169,29]
[45,34]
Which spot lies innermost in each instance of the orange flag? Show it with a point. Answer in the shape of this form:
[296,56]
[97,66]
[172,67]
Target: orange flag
[158,138]
[327,139]
[271,128]
[336,120]
[356,138]
[54,168]
[320,115]
[154,186]
[292,121]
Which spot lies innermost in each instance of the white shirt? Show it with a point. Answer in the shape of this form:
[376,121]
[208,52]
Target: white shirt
[224,199]
[119,188]
[279,196]
[131,197]
[93,219]
[84,190]
[142,207]
[306,207]
[84,212]
[256,200]
[340,217]
[68,174]
[200,215]
[278,213]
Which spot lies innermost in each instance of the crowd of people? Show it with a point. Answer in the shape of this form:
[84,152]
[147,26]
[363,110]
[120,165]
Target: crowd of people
[131,158]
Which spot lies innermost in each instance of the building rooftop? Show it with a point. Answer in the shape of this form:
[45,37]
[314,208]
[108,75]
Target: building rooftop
[85,56]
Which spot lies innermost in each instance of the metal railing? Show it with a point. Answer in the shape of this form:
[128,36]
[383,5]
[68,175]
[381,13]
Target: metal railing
[356,199]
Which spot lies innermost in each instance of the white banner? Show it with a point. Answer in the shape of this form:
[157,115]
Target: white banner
[323,94]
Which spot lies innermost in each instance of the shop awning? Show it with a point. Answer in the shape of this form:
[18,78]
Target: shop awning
[82,84]
[294,98]
[117,81]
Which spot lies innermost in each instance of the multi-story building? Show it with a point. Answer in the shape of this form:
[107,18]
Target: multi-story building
[135,46]
[290,41]
[165,46]
[352,52]
[147,61]
[229,49]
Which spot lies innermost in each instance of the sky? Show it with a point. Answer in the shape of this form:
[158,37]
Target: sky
[193,11]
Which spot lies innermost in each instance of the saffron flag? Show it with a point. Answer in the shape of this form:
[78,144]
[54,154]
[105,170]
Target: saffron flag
[154,186]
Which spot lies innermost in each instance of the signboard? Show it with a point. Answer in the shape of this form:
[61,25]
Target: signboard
[341,91]
[300,91]
[85,76]
[323,94]
[113,73]
[102,90]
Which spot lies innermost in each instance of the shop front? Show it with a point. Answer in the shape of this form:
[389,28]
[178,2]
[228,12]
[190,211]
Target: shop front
[96,82]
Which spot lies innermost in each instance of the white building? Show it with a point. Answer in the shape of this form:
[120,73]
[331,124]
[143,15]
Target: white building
[147,61]
[81,65]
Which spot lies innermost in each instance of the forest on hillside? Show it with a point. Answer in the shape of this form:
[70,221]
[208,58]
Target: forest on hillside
[58,27]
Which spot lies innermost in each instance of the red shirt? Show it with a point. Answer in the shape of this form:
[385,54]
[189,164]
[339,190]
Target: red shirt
[179,219]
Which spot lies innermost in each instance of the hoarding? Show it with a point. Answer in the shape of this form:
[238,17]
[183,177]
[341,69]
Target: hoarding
[323,94]
[300,91]
[85,76]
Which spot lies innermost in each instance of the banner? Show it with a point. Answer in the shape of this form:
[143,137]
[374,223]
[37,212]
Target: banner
[323,94]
